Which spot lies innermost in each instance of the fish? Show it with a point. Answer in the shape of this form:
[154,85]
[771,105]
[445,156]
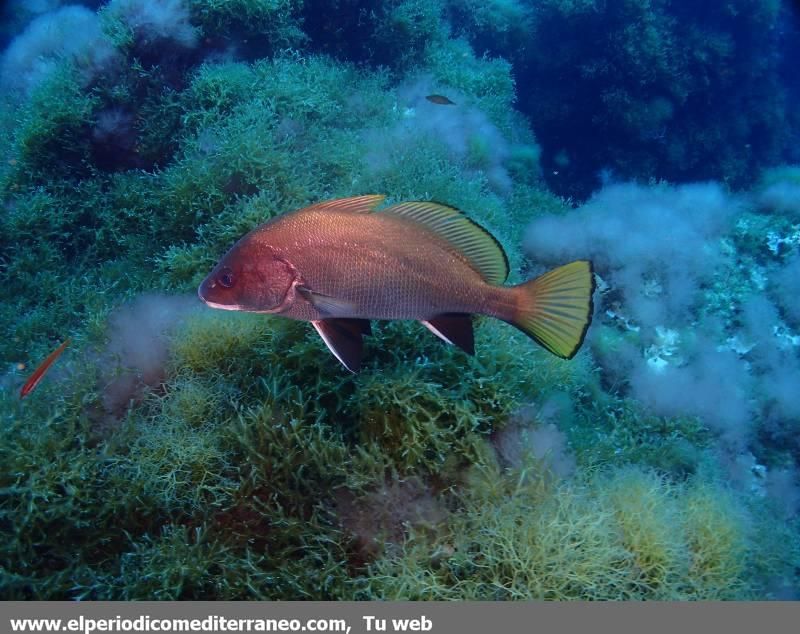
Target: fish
[38,374]
[342,263]
[440,100]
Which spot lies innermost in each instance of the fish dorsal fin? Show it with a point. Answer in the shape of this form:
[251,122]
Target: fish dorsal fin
[355,205]
[478,245]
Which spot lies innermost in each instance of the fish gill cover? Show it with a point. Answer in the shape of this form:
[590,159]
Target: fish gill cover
[175,452]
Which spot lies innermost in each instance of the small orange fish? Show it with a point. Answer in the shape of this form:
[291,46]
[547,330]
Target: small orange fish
[340,263]
[39,373]
[440,100]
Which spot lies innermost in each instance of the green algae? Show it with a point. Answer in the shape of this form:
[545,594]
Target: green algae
[257,468]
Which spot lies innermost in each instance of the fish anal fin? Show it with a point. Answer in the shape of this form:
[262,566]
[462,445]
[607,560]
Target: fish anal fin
[454,329]
[344,339]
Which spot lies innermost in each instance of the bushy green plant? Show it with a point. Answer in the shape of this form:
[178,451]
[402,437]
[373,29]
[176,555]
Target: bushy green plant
[59,490]
[625,534]
[252,465]
[501,27]
[179,563]
[417,423]
[489,82]
[51,137]
[718,540]
[649,520]
[404,30]
[184,465]
[263,26]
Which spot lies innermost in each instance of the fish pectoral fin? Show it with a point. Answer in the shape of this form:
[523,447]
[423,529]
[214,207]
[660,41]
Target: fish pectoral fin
[326,304]
[454,329]
[344,339]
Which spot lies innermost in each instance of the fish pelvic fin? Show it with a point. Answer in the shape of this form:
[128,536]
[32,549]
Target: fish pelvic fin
[555,309]
[344,339]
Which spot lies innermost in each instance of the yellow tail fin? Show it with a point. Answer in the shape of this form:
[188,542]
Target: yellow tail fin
[555,309]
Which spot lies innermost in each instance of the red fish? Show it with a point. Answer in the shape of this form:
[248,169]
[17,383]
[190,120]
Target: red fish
[39,373]
[339,264]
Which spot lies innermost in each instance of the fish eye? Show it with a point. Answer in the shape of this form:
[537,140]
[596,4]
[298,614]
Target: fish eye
[226,278]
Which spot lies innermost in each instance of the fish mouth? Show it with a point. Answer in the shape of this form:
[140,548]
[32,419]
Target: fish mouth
[208,302]
[200,290]
[223,306]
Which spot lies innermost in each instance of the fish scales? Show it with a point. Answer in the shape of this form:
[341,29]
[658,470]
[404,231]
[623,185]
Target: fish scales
[386,266]
[339,265]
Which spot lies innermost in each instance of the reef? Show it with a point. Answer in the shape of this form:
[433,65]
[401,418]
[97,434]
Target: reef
[177,452]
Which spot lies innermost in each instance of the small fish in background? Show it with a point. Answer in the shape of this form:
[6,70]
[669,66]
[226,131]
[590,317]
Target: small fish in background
[38,374]
[339,264]
[440,100]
